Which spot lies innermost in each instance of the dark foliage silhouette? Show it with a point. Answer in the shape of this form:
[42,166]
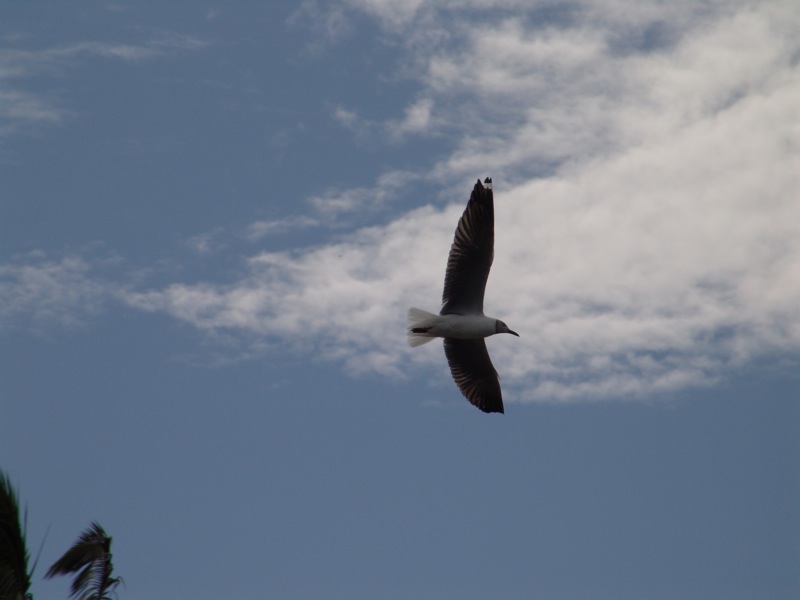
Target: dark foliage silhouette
[89,559]
[15,579]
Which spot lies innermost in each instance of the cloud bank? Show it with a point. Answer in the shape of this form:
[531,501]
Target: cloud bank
[646,167]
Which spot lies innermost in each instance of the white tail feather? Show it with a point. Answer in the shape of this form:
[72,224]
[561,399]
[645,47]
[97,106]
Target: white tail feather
[418,318]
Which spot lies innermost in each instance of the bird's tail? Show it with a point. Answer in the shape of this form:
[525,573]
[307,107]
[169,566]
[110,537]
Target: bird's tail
[419,323]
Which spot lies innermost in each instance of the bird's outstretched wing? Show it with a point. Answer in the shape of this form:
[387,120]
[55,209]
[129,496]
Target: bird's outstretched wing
[474,373]
[470,255]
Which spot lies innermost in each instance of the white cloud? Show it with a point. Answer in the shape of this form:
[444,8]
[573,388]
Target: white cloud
[642,273]
[348,118]
[417,119]
[648,222]
[667,262]
[346,300]
[661,248]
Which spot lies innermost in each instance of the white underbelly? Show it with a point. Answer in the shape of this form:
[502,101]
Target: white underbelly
[466,327]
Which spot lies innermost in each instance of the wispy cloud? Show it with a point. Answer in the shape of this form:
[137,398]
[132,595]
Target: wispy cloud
[21,108]
[527,88]
[37,292]
[18,63]
[392,15]
[261,229]
[335,201]
[204,244]
[327,20]
[334,208]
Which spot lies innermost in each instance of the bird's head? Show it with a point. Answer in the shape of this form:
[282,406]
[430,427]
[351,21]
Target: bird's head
[500,327]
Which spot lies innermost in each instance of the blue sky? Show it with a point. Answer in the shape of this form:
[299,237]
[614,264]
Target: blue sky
[215,216]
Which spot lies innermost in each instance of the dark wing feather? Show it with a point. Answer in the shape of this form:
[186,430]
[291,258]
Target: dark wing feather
[474,373]
[470,256]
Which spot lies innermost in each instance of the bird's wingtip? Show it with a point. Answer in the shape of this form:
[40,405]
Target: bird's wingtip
[487,183]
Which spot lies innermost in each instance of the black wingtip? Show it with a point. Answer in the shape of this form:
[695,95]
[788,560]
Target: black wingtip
[487,183]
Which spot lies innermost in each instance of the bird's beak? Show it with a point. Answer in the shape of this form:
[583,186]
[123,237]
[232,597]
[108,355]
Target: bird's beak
[513,333]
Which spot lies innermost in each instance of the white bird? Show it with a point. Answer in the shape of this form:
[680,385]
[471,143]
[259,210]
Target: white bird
[461,321]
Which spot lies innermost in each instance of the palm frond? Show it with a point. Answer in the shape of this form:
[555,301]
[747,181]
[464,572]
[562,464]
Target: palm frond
[90,558]
[15,579]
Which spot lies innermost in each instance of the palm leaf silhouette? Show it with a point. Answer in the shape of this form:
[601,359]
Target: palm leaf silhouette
[15,580]
[90,558]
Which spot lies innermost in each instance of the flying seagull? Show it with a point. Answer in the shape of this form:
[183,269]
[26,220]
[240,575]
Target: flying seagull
[461,321]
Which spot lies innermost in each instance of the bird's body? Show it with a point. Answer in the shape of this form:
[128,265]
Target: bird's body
[461,321]
[462,327]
